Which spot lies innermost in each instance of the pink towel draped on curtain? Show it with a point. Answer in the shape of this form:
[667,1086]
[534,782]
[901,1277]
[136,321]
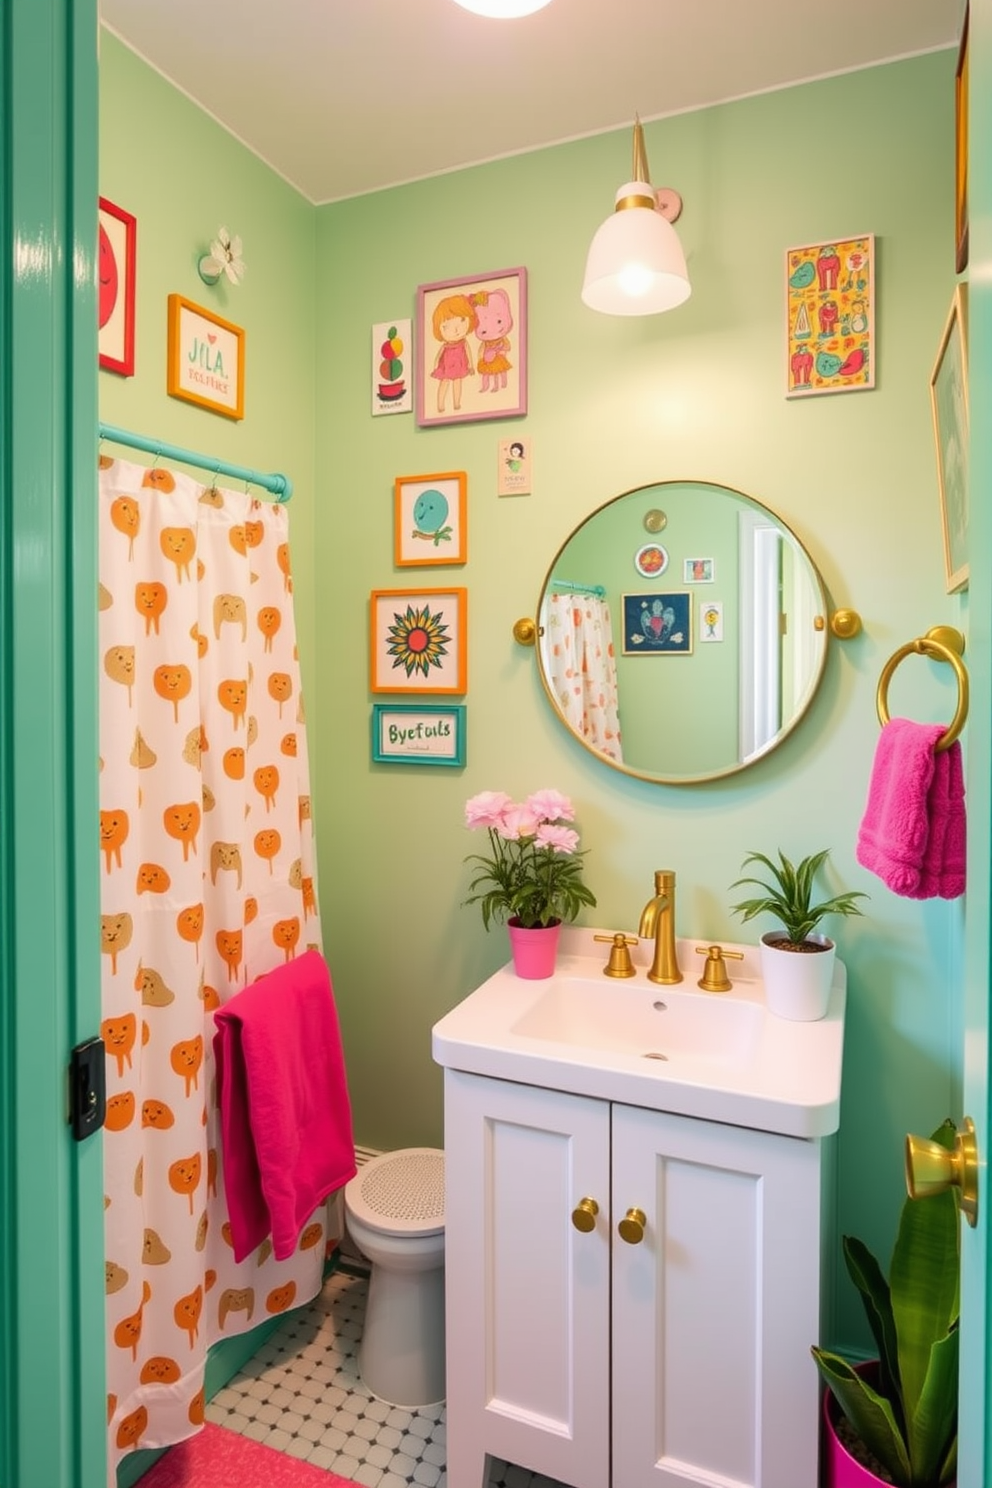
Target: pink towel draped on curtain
[207,874]
[582,664]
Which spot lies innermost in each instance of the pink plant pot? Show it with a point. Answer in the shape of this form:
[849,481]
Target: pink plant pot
[534,951]
[840,1469]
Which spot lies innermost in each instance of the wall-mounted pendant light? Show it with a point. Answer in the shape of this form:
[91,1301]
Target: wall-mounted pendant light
[636,265]
[502,10]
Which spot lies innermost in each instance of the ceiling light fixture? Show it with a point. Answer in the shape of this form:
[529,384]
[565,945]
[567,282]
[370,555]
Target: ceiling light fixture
[636,265]
[502,10]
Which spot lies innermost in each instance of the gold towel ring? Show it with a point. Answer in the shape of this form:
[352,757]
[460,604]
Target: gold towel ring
[939,650]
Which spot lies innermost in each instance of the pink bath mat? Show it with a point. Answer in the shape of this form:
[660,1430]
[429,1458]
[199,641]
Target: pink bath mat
[217,1458]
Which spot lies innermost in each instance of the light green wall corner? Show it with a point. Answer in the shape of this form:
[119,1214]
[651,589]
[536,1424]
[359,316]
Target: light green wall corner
[694,394]
[182,176]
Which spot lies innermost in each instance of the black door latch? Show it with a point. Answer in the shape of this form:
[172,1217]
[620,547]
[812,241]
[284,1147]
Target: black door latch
[87,1088]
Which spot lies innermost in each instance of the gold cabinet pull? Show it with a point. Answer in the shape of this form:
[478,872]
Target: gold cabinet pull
[631,1227]
[931,1168]
[584,1215]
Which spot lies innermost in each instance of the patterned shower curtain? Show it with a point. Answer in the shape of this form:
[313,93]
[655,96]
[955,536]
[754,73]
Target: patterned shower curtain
[207,880]
[578,639]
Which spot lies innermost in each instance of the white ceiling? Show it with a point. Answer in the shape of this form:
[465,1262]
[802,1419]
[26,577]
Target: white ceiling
[342,97]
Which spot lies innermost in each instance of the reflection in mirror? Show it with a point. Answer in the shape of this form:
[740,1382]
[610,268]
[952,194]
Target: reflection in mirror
[689,656]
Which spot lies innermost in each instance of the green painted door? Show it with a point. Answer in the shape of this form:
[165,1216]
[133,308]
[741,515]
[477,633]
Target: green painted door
[52,1392]
[976,1293]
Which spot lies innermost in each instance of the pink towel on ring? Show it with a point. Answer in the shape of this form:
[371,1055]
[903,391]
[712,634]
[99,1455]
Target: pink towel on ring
[285,1114]
[912,834]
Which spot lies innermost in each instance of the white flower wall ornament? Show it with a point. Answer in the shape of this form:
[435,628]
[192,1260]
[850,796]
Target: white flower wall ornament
[224,258]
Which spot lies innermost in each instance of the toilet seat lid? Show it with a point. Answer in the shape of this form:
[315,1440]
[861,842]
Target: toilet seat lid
[400,1192]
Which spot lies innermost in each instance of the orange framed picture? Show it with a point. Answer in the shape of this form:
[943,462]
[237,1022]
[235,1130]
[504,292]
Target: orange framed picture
[206,359]
[419,640]
[961,153]
[430,526]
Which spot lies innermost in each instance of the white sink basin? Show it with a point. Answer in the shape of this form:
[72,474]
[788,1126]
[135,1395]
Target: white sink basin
[638,1018]
[719,1056]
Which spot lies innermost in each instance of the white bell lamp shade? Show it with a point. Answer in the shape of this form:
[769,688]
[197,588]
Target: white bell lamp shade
[635,265]
[502,10]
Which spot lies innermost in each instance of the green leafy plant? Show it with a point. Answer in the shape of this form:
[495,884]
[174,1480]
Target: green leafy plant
[788,896]
[534,873]
[908,1419]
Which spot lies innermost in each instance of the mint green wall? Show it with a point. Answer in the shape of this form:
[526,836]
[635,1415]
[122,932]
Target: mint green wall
[614,404]
[182,176]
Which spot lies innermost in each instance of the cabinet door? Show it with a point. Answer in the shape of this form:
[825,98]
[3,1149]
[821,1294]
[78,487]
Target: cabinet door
[527,1294]
[715,1310]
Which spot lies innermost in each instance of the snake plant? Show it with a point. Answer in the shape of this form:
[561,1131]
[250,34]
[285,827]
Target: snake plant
[909,1420]
[788,896]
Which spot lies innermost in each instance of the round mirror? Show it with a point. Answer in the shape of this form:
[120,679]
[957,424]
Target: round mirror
[682,632]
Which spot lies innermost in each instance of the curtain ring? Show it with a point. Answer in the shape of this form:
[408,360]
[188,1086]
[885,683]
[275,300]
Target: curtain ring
[924,646]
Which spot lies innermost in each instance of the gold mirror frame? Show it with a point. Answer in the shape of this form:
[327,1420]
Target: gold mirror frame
[665,494]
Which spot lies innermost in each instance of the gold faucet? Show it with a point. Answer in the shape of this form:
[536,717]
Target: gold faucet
[658,924]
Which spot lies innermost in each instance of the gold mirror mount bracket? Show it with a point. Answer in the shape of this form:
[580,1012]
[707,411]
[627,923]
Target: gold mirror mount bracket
[525,632]
[845,624]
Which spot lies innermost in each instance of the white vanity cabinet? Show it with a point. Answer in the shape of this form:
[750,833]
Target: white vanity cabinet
[682,1359]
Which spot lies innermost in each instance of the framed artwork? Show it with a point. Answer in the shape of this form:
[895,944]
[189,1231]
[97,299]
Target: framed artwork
[117,271]
[411,734]
[961,152]
[419,640]
[430,522]
[830,317]
[392,388]
[698,571]
[471,348]
[657,624]
[651,560]
[949,402]
[206,359]
[710,620]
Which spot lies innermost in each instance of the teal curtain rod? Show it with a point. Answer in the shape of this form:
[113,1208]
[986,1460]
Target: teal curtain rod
[596,589]
[280,486]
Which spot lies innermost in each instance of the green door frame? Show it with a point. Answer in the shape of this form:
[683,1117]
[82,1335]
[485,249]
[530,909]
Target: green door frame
[52,1375]
[975,1445]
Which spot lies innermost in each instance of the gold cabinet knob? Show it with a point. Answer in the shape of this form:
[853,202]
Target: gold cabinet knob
[584,1215]
[631,1227]
[931,1168]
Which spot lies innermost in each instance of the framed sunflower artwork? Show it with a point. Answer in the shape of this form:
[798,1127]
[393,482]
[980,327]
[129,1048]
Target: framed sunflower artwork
[419,640]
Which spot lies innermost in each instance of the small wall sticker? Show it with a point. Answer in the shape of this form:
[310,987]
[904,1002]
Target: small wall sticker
[513,476]
[392,384]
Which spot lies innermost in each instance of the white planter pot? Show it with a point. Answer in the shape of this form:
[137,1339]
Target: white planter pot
[797,983]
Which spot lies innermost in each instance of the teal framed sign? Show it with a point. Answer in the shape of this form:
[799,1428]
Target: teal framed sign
[410,734]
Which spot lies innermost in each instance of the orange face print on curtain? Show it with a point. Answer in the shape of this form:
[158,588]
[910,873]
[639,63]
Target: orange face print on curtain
[206,865]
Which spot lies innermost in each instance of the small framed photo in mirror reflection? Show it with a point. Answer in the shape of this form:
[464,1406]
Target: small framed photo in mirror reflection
[657,624]
[698,571]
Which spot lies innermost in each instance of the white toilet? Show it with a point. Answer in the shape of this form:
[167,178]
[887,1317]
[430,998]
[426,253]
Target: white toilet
[395,1214]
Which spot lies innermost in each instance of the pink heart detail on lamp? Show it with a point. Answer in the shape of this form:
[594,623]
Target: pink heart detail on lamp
[211,339]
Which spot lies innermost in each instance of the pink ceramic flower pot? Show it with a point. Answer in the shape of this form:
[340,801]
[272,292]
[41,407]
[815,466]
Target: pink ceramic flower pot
[534,951]
[840,1469]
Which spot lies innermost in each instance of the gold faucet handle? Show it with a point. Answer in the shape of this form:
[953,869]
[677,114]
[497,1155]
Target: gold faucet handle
[714,977]
[619,964]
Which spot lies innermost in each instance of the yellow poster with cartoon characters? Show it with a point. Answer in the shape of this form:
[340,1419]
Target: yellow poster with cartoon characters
[831,321]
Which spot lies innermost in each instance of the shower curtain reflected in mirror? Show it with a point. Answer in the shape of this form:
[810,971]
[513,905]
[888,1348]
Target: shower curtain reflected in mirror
[580,661]
[207,882]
